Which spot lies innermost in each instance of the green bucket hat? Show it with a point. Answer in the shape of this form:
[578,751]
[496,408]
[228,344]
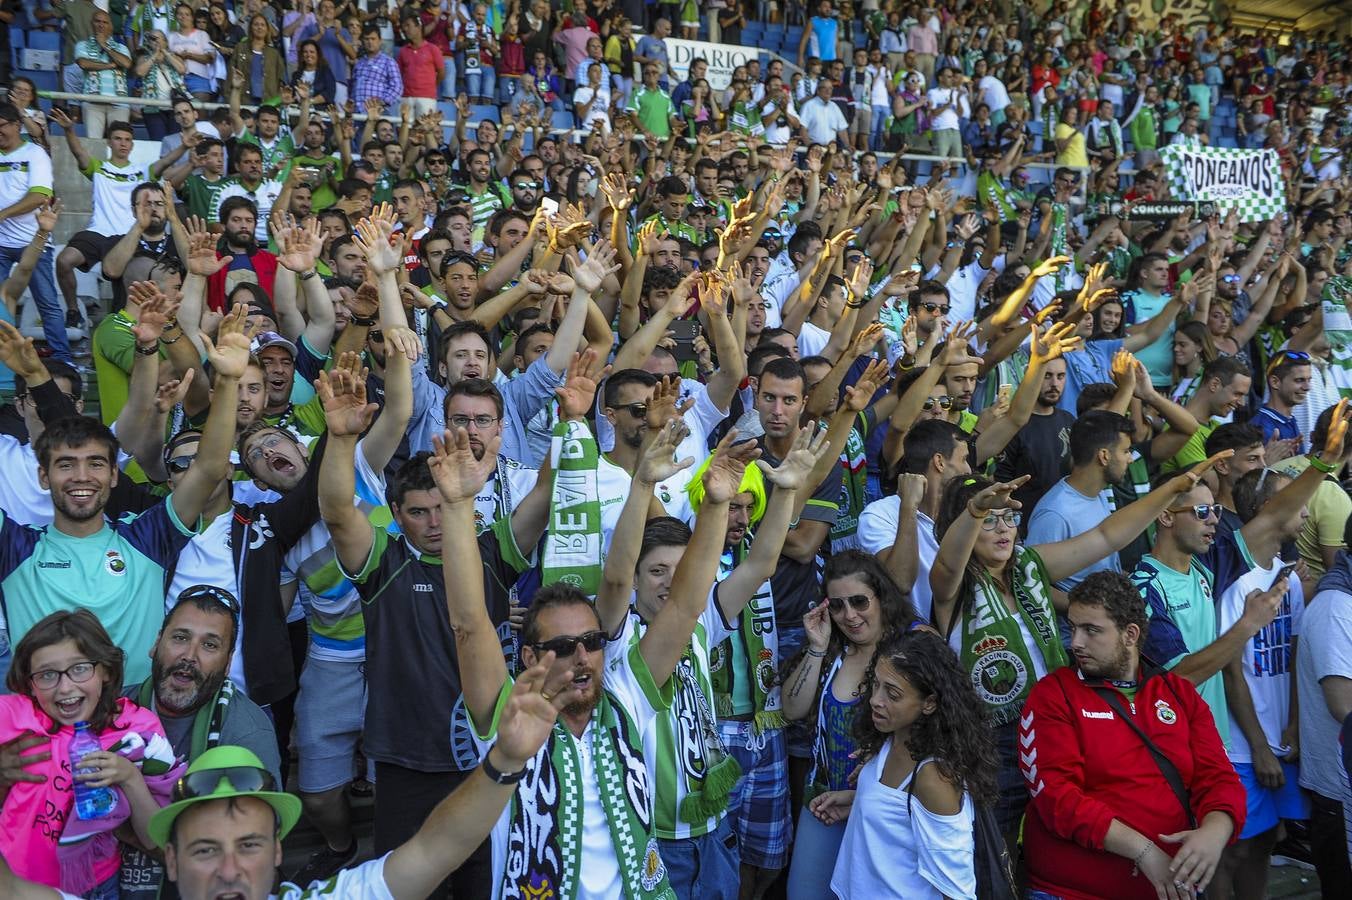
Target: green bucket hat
[214,776]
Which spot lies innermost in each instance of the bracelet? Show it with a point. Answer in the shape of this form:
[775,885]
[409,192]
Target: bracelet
[173,341]
[306,276]
[502,777]
[147,351]
[1136,860]
[815,654]
[1320,466]
[975,515]
[363,321]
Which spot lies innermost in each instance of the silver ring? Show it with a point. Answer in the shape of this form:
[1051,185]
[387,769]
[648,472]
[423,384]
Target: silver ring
[1180,884]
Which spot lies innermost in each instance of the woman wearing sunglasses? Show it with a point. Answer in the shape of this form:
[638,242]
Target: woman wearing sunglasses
[862,608]
[993,599]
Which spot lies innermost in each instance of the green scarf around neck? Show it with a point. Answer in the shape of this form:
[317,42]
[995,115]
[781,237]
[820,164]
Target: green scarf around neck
[756,629]
[544,837]
[990,644]
[207,721]
[573,553]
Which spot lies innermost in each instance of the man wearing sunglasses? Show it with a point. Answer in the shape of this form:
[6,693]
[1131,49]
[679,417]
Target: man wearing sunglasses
[1192,563]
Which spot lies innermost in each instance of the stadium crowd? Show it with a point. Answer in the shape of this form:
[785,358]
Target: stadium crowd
[832,475]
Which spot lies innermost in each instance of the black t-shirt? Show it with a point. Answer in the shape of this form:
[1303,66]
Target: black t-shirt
[1041,449]
[415,715]
[797,586]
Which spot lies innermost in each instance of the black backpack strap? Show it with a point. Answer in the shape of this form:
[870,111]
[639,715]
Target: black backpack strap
[1166,767]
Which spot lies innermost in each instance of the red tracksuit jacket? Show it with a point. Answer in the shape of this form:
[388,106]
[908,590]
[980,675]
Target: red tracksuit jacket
[1085,767]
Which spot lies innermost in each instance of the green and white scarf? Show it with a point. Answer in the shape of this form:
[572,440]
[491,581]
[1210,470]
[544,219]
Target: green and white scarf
[756,629]
[1060,244]
[573,552]
[544,836]
[990,644]
[207,721]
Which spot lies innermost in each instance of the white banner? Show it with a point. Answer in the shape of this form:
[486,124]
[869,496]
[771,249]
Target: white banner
[1249,181]
[722,59]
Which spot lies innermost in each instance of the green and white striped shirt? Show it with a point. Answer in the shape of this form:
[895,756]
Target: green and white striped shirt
[675,743]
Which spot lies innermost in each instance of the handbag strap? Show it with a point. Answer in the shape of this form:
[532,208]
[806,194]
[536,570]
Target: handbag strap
[1166,766]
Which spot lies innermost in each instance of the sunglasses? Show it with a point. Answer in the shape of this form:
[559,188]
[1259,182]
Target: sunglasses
[637,410]
[941,402]
[210,592]
[526,186]
[565,646]
[244,779]
[932,308]
[856,601]
[1202,511]
[179,464]
[1011,520]
[79,673]
[1231,279]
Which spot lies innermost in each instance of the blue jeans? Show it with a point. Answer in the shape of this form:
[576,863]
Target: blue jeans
[43,286]
[815,848]
[109,890]
[448,78]
[704,868]
[875,130]
[479,82]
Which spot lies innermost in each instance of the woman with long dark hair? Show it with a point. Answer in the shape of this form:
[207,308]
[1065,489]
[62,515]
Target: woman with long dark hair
[862,608]
[311,69]
[922,730]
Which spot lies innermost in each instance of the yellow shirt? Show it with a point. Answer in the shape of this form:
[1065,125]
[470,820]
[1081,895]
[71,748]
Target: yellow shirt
[1075,153]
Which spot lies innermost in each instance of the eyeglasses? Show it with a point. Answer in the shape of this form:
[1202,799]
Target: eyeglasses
[244,779]
[941,402]
[79,673]
[210,592]
[481,421]
[932,308]
[25,397]
[179,464]
[637,410]
[268,443]
[1202,511]
[566,646]
[856,601]
[1011,520]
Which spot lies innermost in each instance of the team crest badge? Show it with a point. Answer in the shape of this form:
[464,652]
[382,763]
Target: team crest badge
[114,563]
[654,870]
[1165,713]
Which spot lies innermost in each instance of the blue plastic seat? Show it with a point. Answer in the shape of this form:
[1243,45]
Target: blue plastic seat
[43,40]
[479,112]
[561,120]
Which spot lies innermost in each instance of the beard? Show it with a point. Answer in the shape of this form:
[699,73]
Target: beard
[1116,668]
[241,242]
[77,514]
[183,700]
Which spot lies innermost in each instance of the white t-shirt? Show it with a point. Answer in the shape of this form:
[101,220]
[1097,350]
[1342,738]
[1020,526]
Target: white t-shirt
[598,111]
[520,481]
[812,340]
[207,559]
[993,93]
[893,848]
[1325,651]
[23,500]
[948,119]
[197,42]
[878,531]
[26,169]
[263,197]
[1266,657]
[112,187]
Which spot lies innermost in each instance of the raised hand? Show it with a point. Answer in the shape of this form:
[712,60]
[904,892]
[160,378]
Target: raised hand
[578,391]
[723,479]
[374,240]
[49,213]
[809,446]
[666,403]
[229,354]
[860,279]
[18,353]
[528,716]
[154,311]
[403,341]
[344,398]
[658,461]
[1124,369]
[859,395]
[996,496]
[911,489]
[616,189]
[817,627]
[1052,343]
[301,246]
[202,258]
[459,476]
[955,348]
[171,393]
[600,262]
[1335,441]
[364,302]
[1050,266]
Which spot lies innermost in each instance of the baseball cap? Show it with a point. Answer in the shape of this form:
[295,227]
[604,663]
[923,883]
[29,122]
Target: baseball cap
[266,339]
[218,774]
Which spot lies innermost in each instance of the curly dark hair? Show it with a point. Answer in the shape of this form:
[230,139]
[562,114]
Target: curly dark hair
[956,735]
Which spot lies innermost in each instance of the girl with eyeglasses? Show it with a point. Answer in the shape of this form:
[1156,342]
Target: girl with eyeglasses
[929,762]
[994,601]
[67,670]
[862,608]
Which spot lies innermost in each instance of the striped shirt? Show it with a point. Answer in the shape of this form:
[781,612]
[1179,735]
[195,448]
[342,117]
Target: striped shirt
[109,82]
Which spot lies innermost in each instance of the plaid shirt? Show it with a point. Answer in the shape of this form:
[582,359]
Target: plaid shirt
[377,76]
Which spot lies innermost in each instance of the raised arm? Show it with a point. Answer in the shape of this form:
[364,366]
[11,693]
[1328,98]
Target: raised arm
[139,425]
[459,477]
[73,141]
[229,357]
[1064,558]
[1058,340]
[955,550]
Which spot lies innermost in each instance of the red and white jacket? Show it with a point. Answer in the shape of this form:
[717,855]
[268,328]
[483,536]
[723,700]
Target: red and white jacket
[1085,767]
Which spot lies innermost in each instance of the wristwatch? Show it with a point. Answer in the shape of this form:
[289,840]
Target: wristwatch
[501,777]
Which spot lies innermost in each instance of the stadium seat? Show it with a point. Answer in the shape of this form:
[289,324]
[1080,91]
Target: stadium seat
[478,113]
[43,40]
[561,120]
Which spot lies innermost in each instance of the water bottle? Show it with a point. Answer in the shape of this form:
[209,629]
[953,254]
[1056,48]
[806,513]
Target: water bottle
[90,802]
